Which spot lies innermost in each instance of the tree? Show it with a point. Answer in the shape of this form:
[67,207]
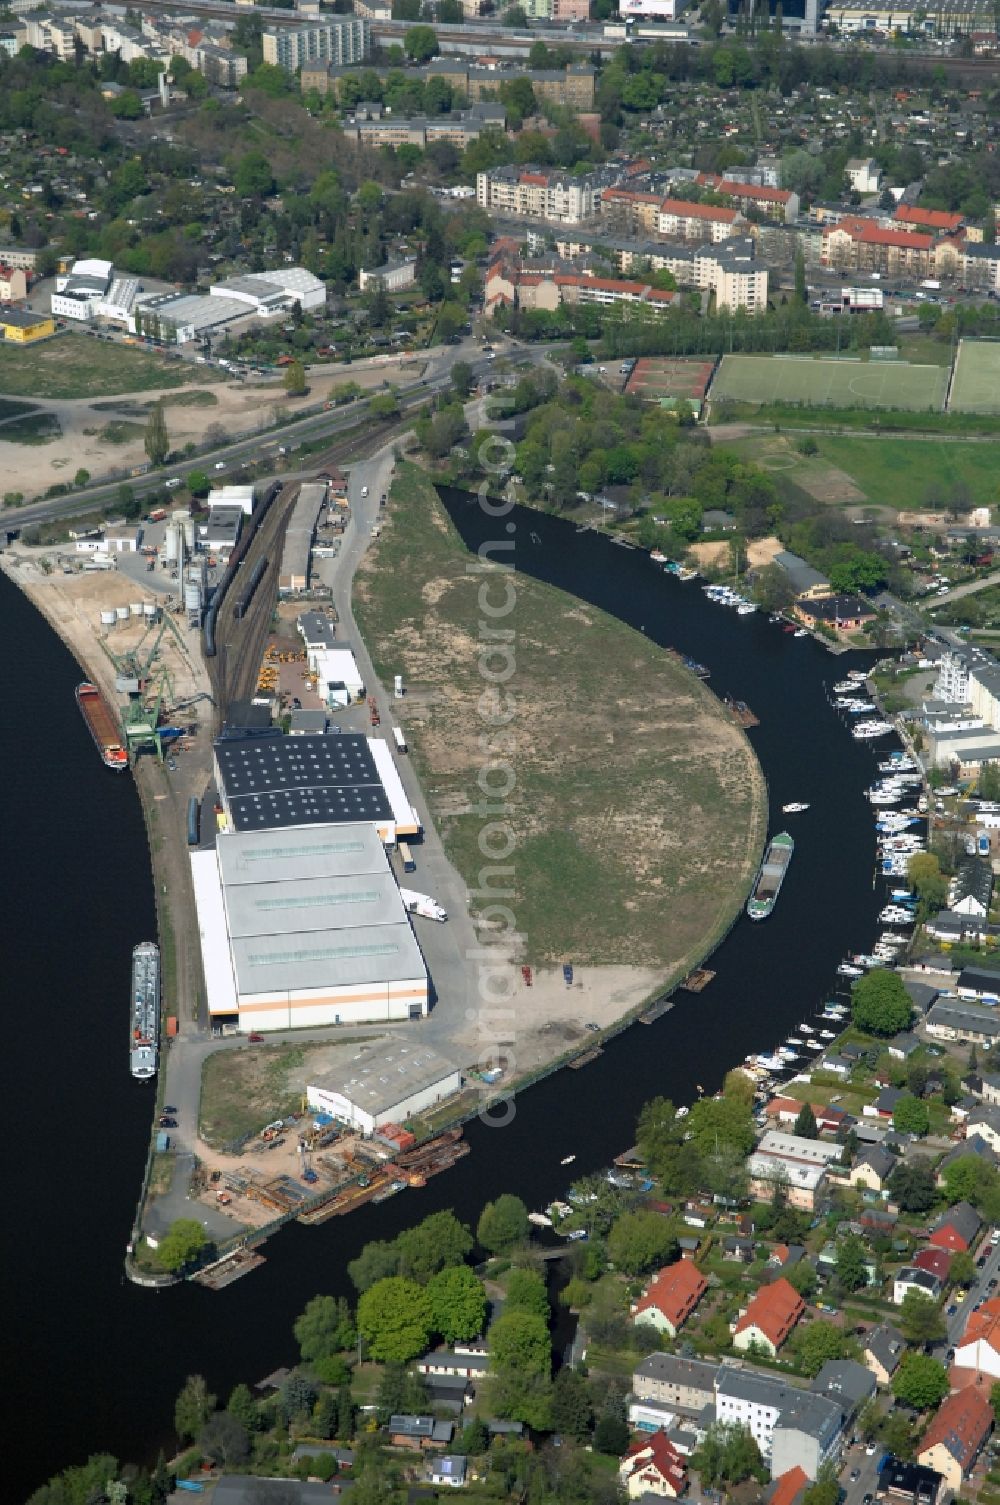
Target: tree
[253,178]
[421,43]
[225,1440]
[910,1115]
[728,1455]
[825,1489]
[193,1407]
[801,292]
[376,1260]
[962,1270]
[913,1186]
[640,1240]
[345,1414]
[502,1224]
[457,1302]
[156,440]
[611,1435]
[715,1121]
[461,378]
[920,1320]
[926,877]
[995,1400]
[294,379]
[880,1004]
[296,1397]
[817,1342]
[896,1434]
[436,1242]
[520,1340]
[572,1412]
[378,304]
[851,1261]
[805,1123]
[920,1381]
[803,1278]
[526,1292]
[394,1318]
[325,1328]
[181,1244]
[198,483]
[82,477]
[242,1405]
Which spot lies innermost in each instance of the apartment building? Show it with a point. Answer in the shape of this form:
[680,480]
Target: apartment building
[680,220]
[374,127]
[542,193]
[862,245]
[771,202]
[344,40]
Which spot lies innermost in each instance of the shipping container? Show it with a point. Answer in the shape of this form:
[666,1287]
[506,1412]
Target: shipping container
[409,866]
[399,739]
[172,1027]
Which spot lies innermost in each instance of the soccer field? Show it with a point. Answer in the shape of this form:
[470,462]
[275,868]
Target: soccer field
[976,385]
[830,383]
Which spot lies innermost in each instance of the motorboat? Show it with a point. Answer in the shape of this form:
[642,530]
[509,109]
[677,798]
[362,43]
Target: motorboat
[800,632]
[848,969]
[795,808]
[539,1219]
[806,1029]
[567,1160]
[746,609]
[868,731]
[827,1034]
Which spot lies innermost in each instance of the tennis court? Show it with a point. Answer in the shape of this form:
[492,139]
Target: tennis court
[830,383]
[975,387]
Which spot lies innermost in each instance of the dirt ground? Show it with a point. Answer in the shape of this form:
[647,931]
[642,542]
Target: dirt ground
[713,556]
[240,410]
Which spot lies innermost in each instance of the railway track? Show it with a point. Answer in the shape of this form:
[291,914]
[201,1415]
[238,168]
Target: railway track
[240,643]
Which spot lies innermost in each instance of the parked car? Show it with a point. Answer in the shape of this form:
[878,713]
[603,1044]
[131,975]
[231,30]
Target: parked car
[255,1039]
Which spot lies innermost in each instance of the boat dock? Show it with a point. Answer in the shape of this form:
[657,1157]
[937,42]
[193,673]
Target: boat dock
[657,1011]
[233,1267]
[586,1058]
[741,713]
[698,980]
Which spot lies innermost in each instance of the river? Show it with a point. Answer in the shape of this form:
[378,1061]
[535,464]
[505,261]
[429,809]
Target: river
[95,1363]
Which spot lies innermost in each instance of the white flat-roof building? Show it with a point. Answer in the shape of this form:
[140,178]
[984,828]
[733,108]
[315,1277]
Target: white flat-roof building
[338,676]
[305,927]
[80,292]
[385,1085]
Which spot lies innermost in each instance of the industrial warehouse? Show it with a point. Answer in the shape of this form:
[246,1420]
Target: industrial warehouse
[269,782]
[305,927]
[385,1085]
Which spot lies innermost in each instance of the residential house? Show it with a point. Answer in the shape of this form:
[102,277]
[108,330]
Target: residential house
[909,1483]
[936,1261]
[798,1164]
[884,1105]
[981,984]
[902,1046]
[671,1297]
[983,1123]
[838,1064]
[806,582]
[884,1347]
[770,1317]
[975,1024]
[957,1228]
[990,1088]
[653,1466]
[980,1346]
[911,1278]
[789,1488]
[451,1470]
[971,892]
[680,220]
[872,1168]
[845,1381]
[472,1365]
[785,1110]
[419,1433]
[956,929]
[684,1384]
[740,1249]
[956,1435]
[841,613]
[974,1144]
[864,175]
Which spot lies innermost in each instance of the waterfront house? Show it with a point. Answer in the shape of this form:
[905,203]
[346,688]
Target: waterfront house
[973,1023]
[471,1365]
[971,891]
[806,582]
[956,1435]
[671,1296]
[797,1164]
[838,613]
[838,1064]
[979,984]
[957,1228]
[884,1347]
[769,1318]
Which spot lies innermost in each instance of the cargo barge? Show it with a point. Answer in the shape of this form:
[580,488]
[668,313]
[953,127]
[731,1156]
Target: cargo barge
[771,877]
[102,725]
[145,1018]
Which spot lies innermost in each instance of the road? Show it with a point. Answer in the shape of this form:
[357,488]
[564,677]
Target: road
[941,598]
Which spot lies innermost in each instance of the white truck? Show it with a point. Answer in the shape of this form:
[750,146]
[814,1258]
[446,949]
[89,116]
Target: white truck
[422,904]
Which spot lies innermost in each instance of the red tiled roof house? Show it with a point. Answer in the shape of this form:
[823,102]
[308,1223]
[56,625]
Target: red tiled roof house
[769,1318]
[955,1437]
[671,1297]
[653,1466]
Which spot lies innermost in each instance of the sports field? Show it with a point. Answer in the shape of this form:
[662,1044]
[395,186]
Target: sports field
[655,377]
[976,384]
[823,382]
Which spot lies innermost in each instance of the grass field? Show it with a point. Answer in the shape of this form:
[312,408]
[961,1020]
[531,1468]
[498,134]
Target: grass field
[76,365]
[630,786]
[908,475]
[976,386]
[822,382]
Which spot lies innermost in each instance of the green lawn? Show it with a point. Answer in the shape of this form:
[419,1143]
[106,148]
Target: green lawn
[912,474]
[976,386]
[628,782]
[820,381]
[77,365]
